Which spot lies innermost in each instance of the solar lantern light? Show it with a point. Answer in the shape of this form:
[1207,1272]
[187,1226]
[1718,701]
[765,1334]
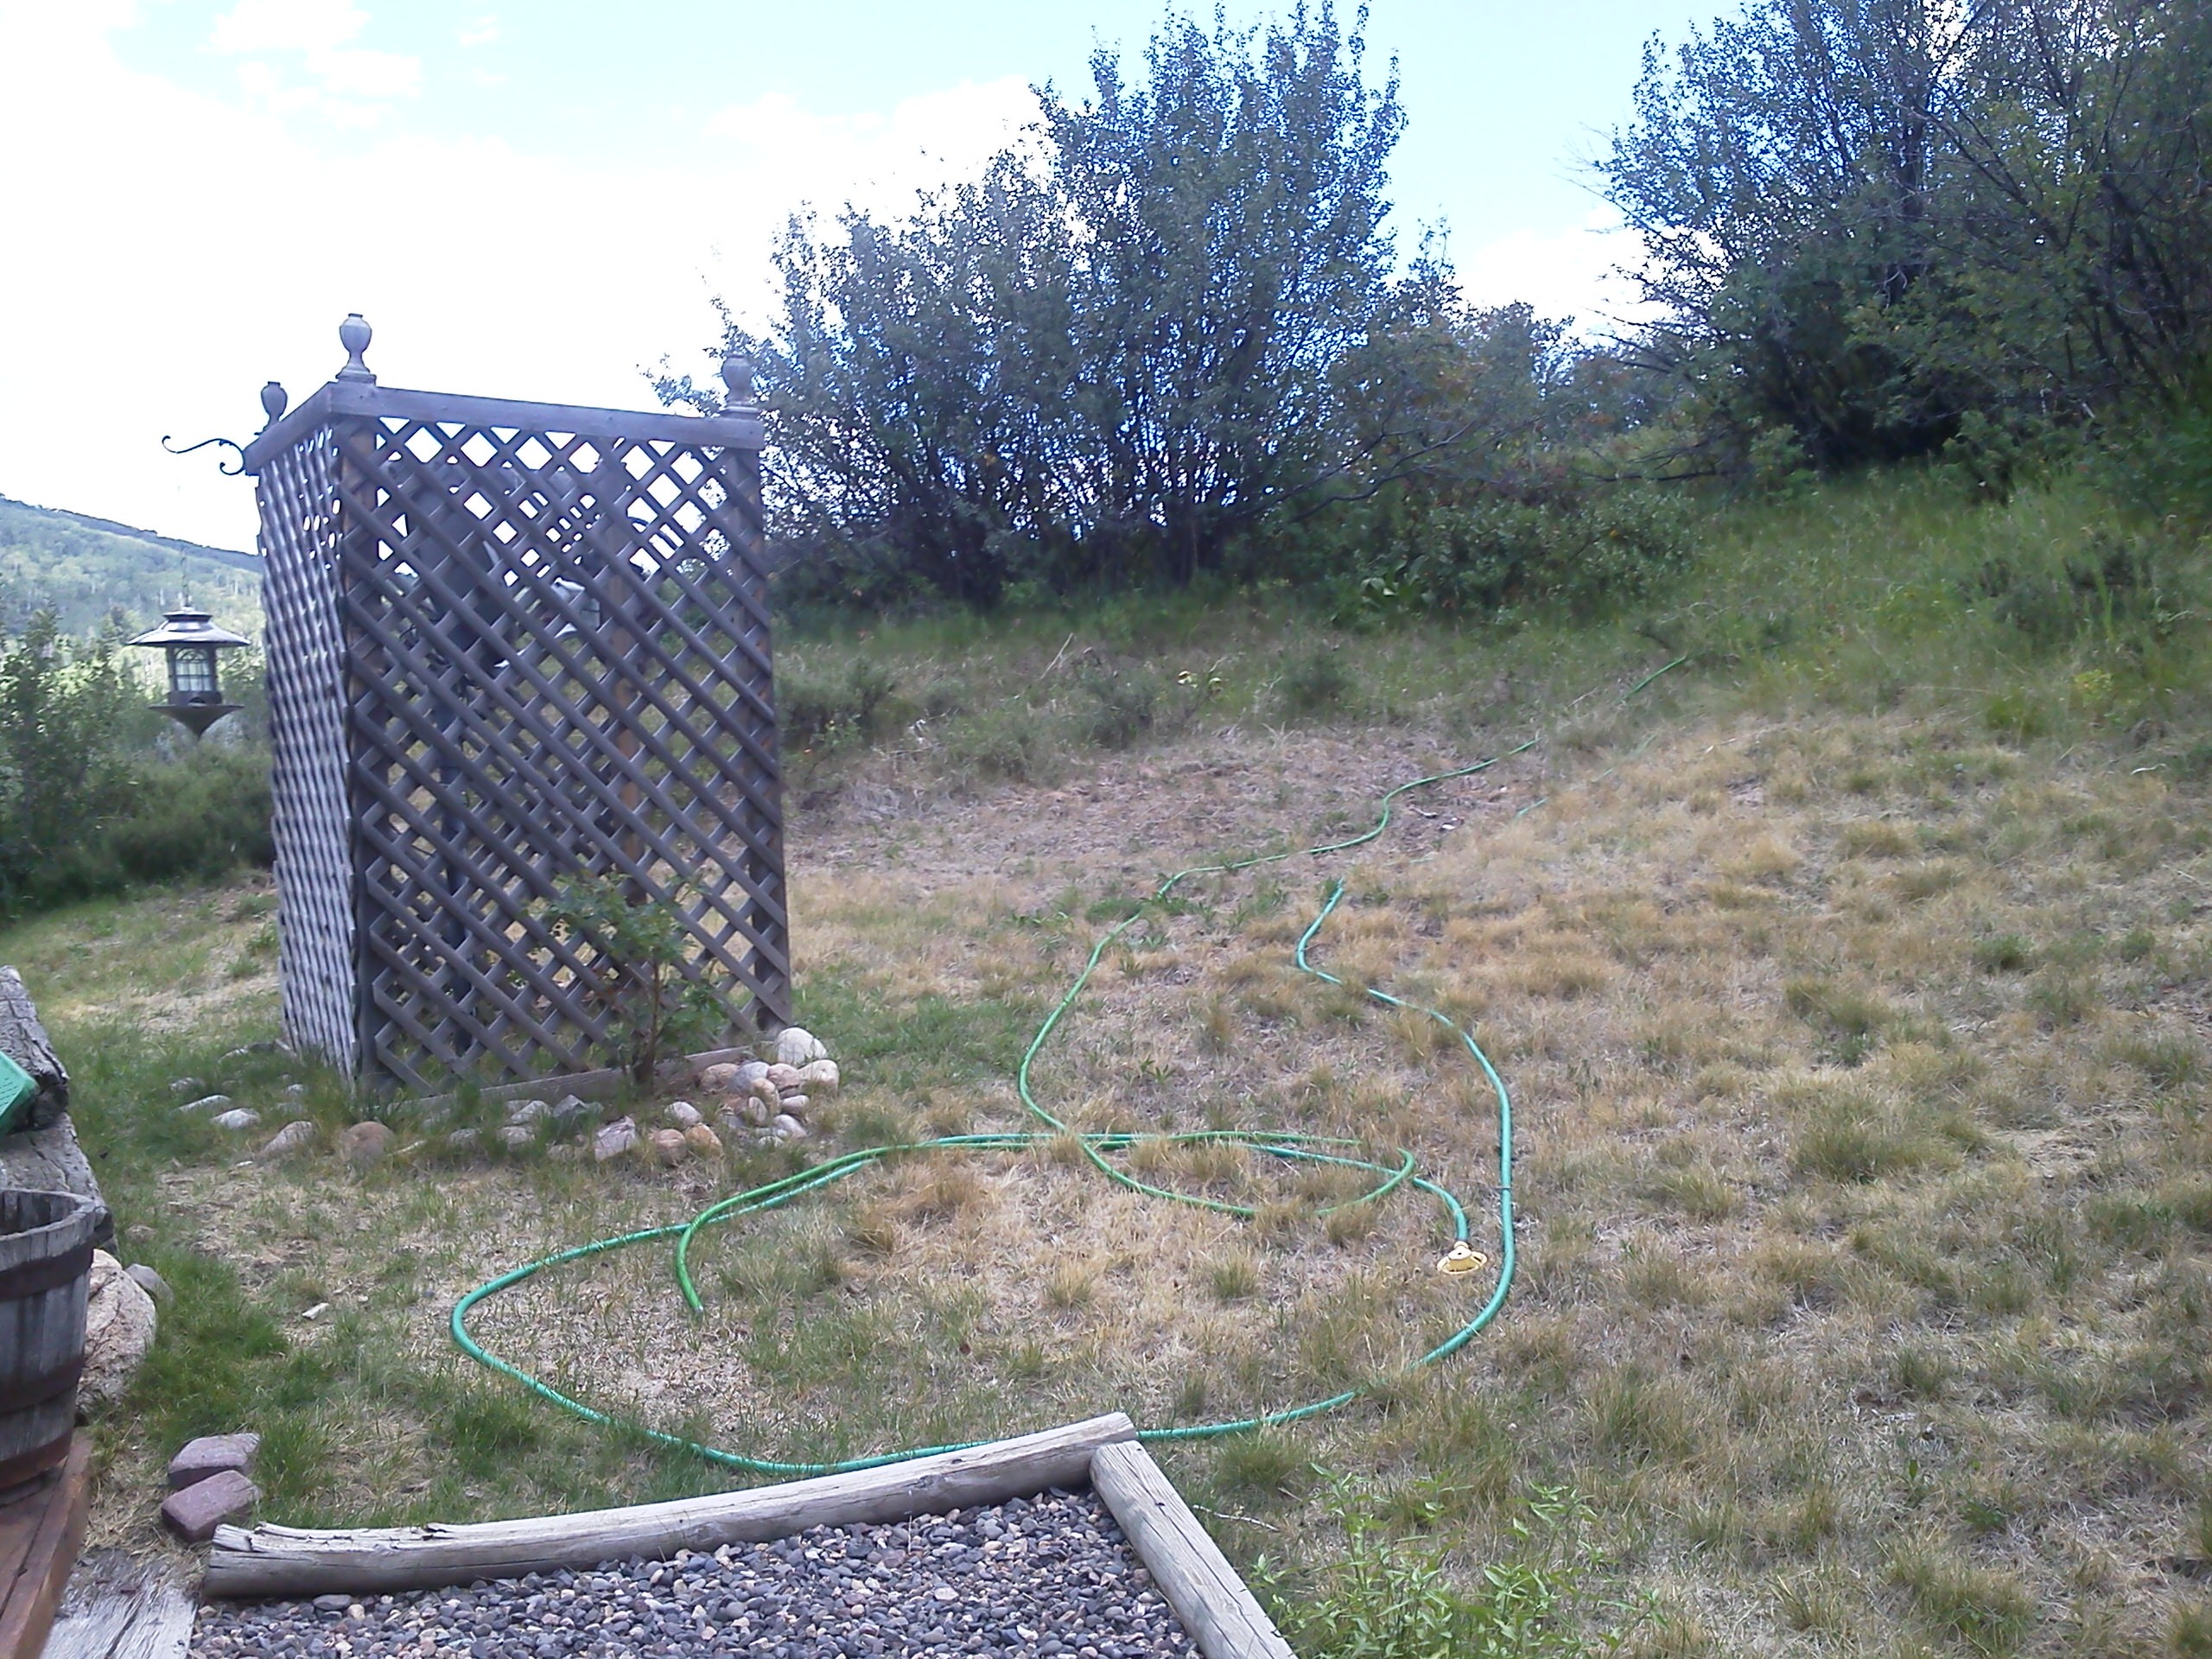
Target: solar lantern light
[192,641]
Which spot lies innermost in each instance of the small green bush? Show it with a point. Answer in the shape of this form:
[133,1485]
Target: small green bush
[1392,1598]
[827,713]
[1009,742]
[2008,953]
[1121,703]
[1588,552]
[193,818]
[1314,684]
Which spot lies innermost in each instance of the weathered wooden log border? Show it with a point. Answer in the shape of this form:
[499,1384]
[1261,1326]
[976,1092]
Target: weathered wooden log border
[1221,1614]
[271,1562]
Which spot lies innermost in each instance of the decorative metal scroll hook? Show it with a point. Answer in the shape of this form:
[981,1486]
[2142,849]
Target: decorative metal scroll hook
[169,444]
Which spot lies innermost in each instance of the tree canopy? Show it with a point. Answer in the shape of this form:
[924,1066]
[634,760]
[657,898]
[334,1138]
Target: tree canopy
[1881,225]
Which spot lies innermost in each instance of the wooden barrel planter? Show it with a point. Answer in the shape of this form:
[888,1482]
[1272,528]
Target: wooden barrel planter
[46,1253]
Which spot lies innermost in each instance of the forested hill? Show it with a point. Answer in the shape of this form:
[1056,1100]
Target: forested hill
[92,571]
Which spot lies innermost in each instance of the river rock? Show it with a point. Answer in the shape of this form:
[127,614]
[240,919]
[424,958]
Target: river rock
[529,1111]
[766,1093]
[819,1078]
[464,1140]
[796,1046]
[183,1086]
[683,1115]
[613,1138]
[239,1117]
[796,1104]
[703,1142]
[364,1143]
[787,1128]
[151,1282]
[119,1319]
[756,1111]
[294,1138]
[719,1077]
[569,1109]
[515,1136]
[786,1078]
[205,1103]
[668,1147]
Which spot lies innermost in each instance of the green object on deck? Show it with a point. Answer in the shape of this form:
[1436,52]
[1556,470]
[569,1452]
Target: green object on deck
[16,1088]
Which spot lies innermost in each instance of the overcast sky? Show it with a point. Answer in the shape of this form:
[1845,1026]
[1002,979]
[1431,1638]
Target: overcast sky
[538,201]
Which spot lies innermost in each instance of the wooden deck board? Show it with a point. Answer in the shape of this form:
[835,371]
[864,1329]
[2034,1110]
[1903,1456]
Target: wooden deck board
[40,1536]
[153,1620]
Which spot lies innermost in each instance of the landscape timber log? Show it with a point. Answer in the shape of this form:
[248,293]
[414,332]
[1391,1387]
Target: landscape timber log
[1189,1567]
[285,1561]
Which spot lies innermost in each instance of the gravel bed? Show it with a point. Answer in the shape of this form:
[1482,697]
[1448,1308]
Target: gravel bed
[1046,1576]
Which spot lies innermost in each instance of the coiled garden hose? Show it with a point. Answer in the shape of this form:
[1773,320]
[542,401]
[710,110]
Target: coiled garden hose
[1308,1148]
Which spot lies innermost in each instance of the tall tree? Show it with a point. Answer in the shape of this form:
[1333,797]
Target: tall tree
[1108,357]
[917,386]
[1230,210]
[1877,222]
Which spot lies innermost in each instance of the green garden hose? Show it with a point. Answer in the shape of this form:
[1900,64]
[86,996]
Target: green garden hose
[1322,1149]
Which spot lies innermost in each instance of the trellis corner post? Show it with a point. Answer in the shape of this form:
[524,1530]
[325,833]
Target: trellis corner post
[509,642]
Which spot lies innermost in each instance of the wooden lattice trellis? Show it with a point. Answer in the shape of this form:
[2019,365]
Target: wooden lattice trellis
[509,642]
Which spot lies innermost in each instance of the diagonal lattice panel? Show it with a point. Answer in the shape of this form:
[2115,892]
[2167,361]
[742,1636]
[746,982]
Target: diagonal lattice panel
[551,659]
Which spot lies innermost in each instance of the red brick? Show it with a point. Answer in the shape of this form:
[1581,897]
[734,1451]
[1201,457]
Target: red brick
[195,1513]
[210,1455]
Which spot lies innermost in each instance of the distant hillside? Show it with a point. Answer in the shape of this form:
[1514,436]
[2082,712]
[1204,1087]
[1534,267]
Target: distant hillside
[94,571]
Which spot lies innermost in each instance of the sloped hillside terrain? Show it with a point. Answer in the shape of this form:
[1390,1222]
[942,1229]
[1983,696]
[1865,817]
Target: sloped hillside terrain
[95,573]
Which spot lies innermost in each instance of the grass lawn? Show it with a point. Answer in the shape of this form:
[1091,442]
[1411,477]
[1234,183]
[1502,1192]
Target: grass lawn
[1852,983]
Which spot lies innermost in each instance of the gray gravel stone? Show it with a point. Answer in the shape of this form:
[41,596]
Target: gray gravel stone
[1039,1577]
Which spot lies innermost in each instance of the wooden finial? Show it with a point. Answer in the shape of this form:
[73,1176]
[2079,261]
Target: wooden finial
[737,375]
[274,398]
[355,335]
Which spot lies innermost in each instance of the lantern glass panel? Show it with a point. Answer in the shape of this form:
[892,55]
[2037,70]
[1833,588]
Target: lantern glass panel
[191,671]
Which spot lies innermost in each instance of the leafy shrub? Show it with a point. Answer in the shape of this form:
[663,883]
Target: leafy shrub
[1008,742]
[1587,553]
[832,712]
[1391,1597]
[639,953]
[2110,582]
[1123,703]
[1314,684]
